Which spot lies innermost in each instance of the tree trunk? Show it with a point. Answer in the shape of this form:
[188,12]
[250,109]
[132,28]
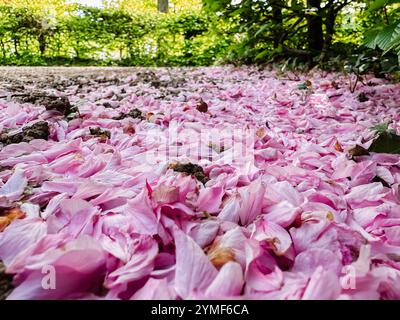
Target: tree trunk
[3,48]
[330,29]
[163,6]
[121,48]
[16,47]
[77,51]
[330,19]
[277,19]
[314,24]
[42,44]
[58,46]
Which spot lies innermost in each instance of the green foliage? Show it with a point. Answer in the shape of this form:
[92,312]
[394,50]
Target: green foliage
[382,127]
[364,61]
[386,38]
[385,34]
[386,142]
[302,34]
[109,36]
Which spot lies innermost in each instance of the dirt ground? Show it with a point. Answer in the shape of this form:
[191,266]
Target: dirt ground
[80,81]
[39,72]
[13,77]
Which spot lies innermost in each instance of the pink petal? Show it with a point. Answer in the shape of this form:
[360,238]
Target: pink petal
[231,209]
[17,238]
[14,187]
[274,234]
[165,194]
[251,201]
[139,266]
[282,213]
[204,233]
[79,268]
[142,214]
[309,260]
[323,285]
[155,289]
[210,199]
[194,272]
[228,283]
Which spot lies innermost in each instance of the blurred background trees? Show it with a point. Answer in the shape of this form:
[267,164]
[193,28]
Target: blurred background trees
[332,34]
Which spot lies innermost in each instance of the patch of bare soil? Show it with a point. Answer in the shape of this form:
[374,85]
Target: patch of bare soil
[5,282]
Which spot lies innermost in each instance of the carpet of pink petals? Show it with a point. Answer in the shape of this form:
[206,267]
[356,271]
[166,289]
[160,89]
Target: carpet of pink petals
[295,218]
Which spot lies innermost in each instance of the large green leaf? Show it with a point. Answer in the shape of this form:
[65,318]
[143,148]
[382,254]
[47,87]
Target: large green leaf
[394,45]
[386,142]
[370,38]
[385,36]
[377,4]
[395,41]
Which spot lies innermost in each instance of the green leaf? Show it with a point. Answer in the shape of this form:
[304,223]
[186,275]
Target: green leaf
[385,36]
[370,38]
[377,4]
[386,142]
[261,30]
[394,45]
[380,127]
[261,55]
[395,41]
[302,86]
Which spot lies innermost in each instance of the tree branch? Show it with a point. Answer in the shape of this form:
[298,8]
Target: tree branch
[341,6]
[294,25]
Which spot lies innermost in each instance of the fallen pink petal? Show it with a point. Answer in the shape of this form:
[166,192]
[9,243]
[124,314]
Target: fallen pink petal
[265,195]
